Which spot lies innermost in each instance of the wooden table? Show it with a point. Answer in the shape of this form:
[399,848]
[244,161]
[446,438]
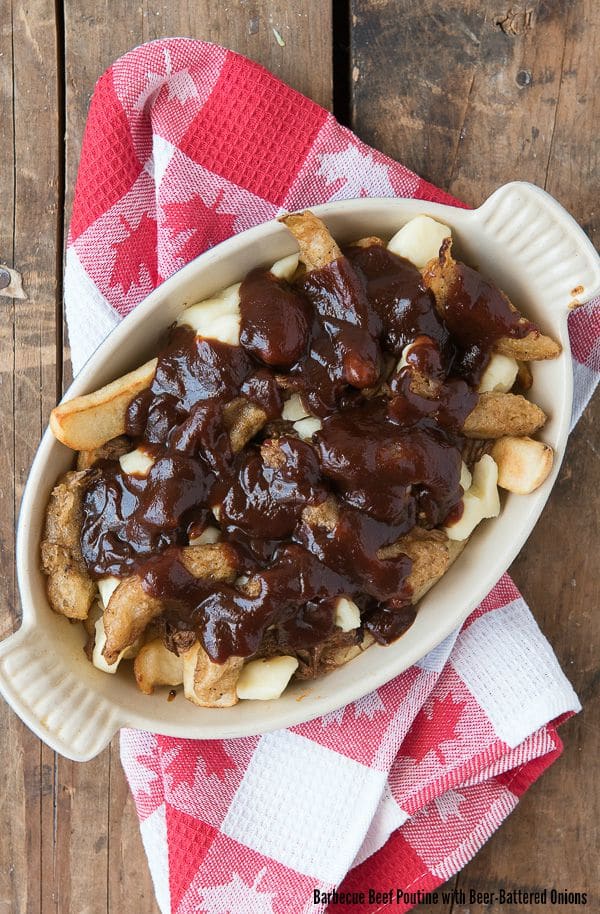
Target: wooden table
[469,94]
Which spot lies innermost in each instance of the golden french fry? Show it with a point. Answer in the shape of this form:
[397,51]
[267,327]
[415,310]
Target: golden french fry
[523,464]
[156,665]
[335,655]
[88,422]
[428,550]
[335,651]
[534,347]
[130,609]
[71,591]
[209,684]
[243,420]
[317,247]
[498,414]
[213,561]
[440,275]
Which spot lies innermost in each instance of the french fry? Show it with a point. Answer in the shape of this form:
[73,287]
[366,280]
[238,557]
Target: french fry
[243,420]
[317,247]
[86,423]
[428,550]
[335,651]
[498,414]
[71,591]
[130,609]
[440,275]
[211,561]
[208,684]
[155,665]
[523,464]
[535,347]
[334,656]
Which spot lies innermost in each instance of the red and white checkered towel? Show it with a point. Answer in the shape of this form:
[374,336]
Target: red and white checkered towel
[186,144]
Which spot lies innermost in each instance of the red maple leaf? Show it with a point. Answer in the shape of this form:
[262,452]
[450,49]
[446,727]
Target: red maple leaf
[182,761]
[432,728]
[203,225]
[216,760]
[136,250]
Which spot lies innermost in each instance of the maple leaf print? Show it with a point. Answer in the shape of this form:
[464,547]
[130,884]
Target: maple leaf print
[236,897]
[189,765]
[134,252]
[448,805]
[432,728]
[369,705]
[216,761]
[180,85]
[361,175]
[202,225]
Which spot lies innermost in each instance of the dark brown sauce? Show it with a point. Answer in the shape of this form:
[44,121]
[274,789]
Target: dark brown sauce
[386,458]
[477,315]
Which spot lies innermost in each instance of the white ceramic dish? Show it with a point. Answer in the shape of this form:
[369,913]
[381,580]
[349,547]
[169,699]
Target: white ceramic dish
[529,246]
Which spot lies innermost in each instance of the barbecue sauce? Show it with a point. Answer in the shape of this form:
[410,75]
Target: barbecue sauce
[306,519]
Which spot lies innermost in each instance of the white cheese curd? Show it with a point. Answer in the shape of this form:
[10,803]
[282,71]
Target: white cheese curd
[347,615]
[419,240]
[500,374]
[263,680]
[208,535]
[294,409]
[97,657]
[216,318]
[465,477]
[286,267]
[107,587]
[307,427]
[403,362]
[481,500]
[137,463]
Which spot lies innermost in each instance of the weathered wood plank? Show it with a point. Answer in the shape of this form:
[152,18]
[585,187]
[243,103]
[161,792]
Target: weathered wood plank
[29,189]
[471,95]
[95,34]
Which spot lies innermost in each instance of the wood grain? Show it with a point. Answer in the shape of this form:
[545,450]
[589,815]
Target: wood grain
[480,94]
[29,185]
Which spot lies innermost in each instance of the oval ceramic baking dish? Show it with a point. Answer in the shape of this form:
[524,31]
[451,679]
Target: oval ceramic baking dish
[529,246]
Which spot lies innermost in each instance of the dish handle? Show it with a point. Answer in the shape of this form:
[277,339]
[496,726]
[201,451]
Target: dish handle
[533,228]
[61,709]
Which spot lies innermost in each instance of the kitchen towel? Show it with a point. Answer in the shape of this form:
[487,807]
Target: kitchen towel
[186,144]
